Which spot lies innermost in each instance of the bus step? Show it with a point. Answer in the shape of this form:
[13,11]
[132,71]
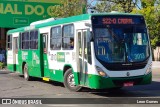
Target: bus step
[45,79]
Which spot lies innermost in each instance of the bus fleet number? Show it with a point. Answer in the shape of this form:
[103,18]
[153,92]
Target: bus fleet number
[139,56]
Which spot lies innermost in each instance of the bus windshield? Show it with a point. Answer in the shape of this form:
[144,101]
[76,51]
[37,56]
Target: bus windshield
[121,43]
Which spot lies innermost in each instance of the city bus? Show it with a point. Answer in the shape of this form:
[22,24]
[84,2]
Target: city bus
[98,51]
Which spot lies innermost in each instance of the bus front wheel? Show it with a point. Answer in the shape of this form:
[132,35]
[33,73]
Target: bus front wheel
[26,75]
[69,82]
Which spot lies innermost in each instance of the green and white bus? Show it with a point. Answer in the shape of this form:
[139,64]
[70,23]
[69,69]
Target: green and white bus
[97,51]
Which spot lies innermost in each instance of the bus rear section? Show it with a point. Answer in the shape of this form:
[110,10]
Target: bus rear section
[12,52]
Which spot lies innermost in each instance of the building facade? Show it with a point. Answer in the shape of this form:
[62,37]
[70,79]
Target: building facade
[19,13]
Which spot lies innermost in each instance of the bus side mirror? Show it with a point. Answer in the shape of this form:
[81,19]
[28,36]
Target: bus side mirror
[91,36]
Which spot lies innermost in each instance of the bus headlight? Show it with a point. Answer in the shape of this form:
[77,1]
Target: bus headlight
[149,69]
[101,72]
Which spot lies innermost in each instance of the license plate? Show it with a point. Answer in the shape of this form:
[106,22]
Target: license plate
[128,84]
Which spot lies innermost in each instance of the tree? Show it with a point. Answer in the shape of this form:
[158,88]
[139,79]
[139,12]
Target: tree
[104,6]
[68,8]
[115,5]
[151,11]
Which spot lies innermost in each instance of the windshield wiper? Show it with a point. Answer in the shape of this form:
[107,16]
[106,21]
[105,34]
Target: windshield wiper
[113,34]
[127,57]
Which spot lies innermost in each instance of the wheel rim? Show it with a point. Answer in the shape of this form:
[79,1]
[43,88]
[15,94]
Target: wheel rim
[70,80]
[25,73]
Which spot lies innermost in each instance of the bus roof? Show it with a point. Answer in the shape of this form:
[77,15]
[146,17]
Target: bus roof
[67,20]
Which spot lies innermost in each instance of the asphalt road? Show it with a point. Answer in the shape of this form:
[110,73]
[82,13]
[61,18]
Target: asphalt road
[12,85]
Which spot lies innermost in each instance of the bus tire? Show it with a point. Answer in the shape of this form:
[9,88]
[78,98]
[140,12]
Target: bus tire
[115,89]
[26,75]
[69,82]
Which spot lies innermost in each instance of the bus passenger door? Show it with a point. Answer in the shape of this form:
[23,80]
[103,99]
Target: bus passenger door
[82,58]
[45,53]
[15,52]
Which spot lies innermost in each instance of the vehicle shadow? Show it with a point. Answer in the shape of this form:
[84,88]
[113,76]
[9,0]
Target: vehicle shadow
[151,90]
[5,72]
[55,83]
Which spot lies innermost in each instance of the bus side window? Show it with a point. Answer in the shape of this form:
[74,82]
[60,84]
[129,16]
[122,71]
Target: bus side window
[56,38]
[16,44]
[71,43]
[34,39]
[68,37]
[25,40]
[9,37]
[44,44]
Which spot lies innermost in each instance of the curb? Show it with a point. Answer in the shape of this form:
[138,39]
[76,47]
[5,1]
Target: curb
[155,64]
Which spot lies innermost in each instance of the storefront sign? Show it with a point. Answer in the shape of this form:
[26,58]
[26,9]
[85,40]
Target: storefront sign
[18,13]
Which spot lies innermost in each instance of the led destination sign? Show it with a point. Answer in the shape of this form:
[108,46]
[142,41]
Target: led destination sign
[107,20]
[117,21]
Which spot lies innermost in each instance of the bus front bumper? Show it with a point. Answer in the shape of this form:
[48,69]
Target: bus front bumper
[98,82]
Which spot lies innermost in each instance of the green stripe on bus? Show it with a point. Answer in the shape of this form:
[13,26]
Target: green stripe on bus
[11,67]
[66,20]
[98,82]
[56,75]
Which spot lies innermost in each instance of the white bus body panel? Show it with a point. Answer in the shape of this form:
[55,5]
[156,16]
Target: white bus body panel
[70,55]
[12,58]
